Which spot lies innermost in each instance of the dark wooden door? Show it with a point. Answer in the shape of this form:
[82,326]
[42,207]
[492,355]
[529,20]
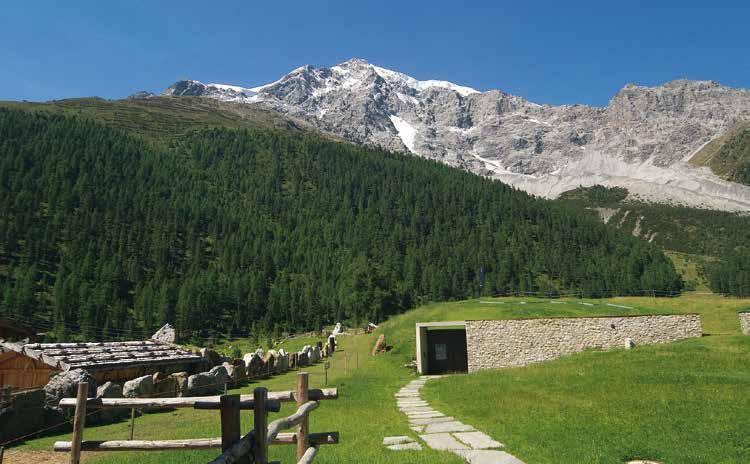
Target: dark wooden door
[446,351]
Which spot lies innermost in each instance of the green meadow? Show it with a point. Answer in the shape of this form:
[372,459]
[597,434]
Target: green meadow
[685,402]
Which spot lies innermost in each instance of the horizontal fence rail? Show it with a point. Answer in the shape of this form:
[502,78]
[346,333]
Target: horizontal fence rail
[235,448]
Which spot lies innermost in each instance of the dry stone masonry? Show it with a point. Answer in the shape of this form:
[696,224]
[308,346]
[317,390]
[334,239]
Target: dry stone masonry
[519,342]
[745,322]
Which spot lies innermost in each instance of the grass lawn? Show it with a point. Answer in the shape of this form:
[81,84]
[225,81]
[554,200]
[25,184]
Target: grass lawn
[685,402]
[364,413]
[682,403]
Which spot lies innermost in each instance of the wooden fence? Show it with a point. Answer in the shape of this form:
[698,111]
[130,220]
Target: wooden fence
[252,447]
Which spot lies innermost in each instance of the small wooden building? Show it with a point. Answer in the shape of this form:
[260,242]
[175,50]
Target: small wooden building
[31,365]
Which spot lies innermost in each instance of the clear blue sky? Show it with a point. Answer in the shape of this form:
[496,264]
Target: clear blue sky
[547,51]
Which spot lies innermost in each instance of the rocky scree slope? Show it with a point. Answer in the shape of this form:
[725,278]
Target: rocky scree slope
[641,141]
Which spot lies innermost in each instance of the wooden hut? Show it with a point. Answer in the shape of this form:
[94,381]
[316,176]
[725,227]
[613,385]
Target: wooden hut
[31,365]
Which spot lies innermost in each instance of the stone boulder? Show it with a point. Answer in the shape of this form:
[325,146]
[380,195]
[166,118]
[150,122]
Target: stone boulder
[380,346]
[292,360]
[283,361]
[211,358]
[253,365]
[105,416]
[220,377]
[201,384]
[269,363]
[237,371]
[166,334]
[140,387]
[331,344]
[315,354]
[167,386]
[181,380]
[338,329]
[23,414]
[65,385]
[302,359]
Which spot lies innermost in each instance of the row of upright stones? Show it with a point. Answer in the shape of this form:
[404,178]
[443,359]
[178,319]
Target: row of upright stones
[217,373]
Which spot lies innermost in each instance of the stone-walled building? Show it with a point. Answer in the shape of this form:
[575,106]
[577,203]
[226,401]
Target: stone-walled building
[461,346]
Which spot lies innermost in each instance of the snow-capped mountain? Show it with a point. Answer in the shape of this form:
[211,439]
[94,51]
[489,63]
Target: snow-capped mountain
[641,140]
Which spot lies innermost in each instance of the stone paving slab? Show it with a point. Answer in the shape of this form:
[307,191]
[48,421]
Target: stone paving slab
[478,440]
[487,457]
[454,426]
[397,440]
[406,446]
[425,415]
[446,433]
[443,441]
[412,409]
[431,420]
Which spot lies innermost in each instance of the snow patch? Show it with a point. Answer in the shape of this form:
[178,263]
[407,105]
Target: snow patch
[406,132]
[536,121]
[407,98]
[408,81]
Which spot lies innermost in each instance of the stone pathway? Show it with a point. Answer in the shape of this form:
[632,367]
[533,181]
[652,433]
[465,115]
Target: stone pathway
[445,433]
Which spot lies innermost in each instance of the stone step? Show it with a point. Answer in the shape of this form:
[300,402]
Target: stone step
[478,440]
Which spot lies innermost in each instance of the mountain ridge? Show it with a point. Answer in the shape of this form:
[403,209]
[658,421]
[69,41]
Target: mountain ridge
[641,140]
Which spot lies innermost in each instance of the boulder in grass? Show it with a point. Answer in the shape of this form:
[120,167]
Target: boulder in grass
[253,365]
[283,364]
[201,384]
[181,380]
[315,354]
[302,359]
[166,386]
[105,416]
[236,372]
[139,387]
[211,358]
[65,385]
[220,376]
[269,362]
[380,346]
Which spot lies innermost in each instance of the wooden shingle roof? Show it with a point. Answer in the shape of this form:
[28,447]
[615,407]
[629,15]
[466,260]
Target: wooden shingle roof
[103,355]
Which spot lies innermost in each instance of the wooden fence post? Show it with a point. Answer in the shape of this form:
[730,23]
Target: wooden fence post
[304,428]
[79,421]
[230,420]
[260,426]
[132,422]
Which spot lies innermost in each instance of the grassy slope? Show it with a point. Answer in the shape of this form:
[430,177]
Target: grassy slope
[364,414]
[728,156]
[685,402]
[691,269]
[161,118]
[677,402]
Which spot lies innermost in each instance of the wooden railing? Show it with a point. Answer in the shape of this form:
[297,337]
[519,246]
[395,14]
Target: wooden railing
[252,447]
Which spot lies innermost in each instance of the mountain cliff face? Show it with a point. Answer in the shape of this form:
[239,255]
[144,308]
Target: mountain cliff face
[641,140]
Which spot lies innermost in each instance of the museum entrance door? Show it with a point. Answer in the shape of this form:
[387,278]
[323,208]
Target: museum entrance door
[447,351]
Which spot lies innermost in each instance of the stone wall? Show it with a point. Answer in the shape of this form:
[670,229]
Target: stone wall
[745,322]
[510,343]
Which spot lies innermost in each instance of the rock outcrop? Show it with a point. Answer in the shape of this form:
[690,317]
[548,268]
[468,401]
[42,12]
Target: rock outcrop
[640,141]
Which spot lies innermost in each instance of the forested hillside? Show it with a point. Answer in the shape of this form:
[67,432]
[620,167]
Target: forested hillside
[241,230]
[712,244]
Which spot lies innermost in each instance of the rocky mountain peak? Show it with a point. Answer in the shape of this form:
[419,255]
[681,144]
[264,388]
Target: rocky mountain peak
[640,141]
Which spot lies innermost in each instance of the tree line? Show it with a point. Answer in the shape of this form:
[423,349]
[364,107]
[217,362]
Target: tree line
[226,231]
